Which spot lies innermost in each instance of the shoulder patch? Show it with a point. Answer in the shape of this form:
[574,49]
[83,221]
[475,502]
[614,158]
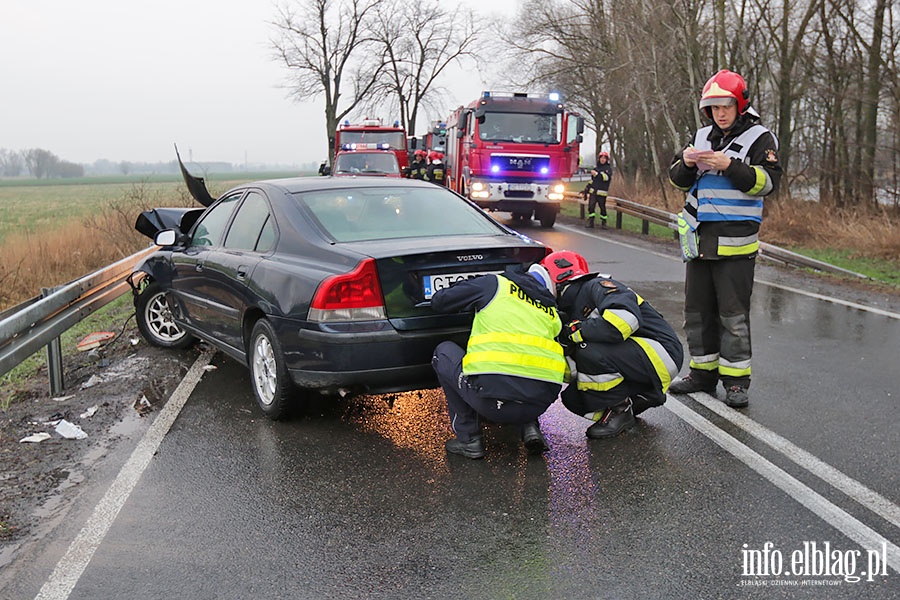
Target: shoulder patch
[607,283]
[771,156]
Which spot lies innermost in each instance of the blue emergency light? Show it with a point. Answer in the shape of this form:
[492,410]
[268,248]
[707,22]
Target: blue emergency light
[554,96]
[495,168]
[545,170]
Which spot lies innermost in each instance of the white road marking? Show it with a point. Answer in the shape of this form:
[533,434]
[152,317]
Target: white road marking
[871,499]
[871,309]
[860,533]
[70,567]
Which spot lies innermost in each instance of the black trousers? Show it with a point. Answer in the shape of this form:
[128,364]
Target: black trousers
[594,201]
[717,317]
[466,405]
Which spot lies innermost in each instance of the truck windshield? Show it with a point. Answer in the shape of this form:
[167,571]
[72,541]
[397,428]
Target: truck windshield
[520,127]
[396,139]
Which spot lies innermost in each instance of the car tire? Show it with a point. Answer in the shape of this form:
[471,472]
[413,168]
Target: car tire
[275,392]
[154,319]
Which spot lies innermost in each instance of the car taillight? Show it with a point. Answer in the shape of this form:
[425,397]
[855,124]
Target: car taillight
[353,296]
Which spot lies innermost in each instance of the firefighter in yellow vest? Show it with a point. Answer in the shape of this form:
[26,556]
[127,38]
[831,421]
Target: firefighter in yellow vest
[513,368]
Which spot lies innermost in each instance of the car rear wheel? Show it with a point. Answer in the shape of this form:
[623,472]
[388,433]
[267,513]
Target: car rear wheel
[272,385]
[154,319]
[547,217]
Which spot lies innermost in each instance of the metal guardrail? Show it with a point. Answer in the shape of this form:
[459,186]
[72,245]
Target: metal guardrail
[649,214]
[38,322]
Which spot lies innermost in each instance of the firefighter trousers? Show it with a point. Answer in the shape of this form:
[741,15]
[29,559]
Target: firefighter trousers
[717,318]
[594,201]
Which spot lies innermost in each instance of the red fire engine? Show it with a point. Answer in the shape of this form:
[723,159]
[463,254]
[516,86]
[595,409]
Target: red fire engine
[372,135]
[511,151]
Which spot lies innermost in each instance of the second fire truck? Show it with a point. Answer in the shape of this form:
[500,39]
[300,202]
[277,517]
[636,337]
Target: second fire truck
[511,152]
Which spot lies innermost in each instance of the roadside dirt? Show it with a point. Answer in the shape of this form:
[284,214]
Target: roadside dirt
[109,394]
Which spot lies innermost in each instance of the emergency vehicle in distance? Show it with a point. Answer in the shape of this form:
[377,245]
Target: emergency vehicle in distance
[372,135]
[511,152]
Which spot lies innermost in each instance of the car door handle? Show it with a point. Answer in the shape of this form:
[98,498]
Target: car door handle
[198,267]
[242,272]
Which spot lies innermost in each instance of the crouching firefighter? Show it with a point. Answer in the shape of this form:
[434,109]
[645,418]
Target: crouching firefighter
[622,354]
[513,367]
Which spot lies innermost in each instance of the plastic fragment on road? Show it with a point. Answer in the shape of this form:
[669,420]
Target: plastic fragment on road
[35,438]
[89,412]
[91,382]
[70,431]
[63,398]
[143,406]
[210,368]
[94,340]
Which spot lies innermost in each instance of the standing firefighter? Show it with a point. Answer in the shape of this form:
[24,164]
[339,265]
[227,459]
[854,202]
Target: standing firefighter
[622,353]
[598,189]
[727,170]
[435,172]
[418,165]
[512,368]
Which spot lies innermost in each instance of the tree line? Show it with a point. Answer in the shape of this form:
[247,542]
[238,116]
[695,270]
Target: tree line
[37,162]
[823,74]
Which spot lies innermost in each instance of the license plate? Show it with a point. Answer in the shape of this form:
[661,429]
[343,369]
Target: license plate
[520,187]
[434,283]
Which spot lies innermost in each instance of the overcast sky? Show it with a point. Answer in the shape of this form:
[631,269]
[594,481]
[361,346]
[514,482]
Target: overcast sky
[122,80]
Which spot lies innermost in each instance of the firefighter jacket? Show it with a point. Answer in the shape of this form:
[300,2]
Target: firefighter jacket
[601,313]
[417,169]
[435,173]
[512,352]
[599,183]
[725,208]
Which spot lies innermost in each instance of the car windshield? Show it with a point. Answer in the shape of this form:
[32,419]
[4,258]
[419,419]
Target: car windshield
[366,162]
[393,138]
[519,127]
[359,213]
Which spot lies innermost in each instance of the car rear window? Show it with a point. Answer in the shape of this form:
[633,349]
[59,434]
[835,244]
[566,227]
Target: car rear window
[359,213]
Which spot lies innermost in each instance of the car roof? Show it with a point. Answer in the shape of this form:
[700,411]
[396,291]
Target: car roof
[293,185]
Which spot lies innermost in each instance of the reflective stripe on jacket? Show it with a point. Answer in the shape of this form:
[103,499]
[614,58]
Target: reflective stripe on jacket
[515,335]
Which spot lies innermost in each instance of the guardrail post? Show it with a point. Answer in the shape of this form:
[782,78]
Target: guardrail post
[645,227]
[54,358]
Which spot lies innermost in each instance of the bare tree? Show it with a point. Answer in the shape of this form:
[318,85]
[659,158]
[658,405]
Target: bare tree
[329,49]
[419,41]
[40,163]
[11,163]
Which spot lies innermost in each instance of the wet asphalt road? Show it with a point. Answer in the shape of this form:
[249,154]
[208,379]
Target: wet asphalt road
[358,499]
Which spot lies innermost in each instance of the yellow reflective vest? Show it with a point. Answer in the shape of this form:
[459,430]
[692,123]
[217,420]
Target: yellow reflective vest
[515,335]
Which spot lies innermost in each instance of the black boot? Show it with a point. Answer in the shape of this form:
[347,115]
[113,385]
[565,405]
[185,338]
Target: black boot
[590,223]
[615,420]
[533,438]
[696,381]
[474,448]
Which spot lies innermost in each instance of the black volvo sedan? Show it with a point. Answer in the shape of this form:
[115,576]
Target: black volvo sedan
[319,284]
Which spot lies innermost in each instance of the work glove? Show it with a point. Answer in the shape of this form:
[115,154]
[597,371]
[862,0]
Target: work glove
[573,332]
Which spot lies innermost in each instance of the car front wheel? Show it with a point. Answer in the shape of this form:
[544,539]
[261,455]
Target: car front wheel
[154,319]
[272,385]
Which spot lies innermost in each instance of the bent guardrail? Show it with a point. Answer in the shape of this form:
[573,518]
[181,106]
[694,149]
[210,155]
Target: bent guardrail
[649,214]
[38,322]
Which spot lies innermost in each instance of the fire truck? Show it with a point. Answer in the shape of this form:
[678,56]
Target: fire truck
[372,135]
[511,152]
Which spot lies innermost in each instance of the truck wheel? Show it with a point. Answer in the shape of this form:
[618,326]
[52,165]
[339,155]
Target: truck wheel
[547,217]
[522,216]
[154,319]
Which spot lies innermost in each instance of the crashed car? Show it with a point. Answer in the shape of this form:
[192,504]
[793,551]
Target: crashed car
[320,285]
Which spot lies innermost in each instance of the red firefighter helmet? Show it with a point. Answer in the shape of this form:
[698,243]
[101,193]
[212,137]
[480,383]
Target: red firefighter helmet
[432,155]
[603,154]
[722,87]
[420,152]
[564,265]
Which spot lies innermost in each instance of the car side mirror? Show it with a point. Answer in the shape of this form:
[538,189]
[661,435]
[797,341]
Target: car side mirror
[166,237]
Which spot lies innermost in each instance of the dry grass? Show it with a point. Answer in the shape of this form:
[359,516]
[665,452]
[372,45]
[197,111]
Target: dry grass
[76,247]
[800,224]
